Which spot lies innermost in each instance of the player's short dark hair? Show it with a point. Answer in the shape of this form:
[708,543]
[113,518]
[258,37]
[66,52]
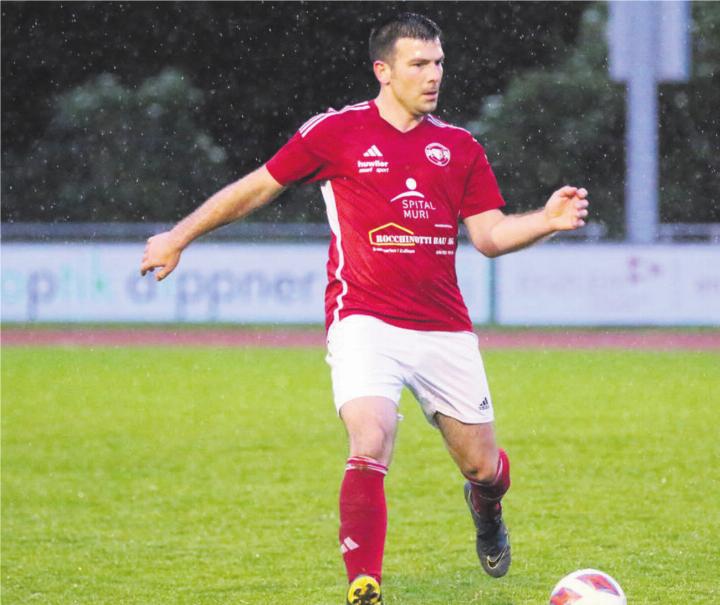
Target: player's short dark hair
[404,25]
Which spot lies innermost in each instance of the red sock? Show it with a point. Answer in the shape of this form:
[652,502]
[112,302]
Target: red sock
[363,517]
[486,495]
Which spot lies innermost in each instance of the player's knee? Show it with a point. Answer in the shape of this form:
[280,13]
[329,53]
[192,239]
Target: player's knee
[373,442]
[482,470]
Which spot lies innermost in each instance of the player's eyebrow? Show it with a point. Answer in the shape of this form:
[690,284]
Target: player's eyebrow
[423,60]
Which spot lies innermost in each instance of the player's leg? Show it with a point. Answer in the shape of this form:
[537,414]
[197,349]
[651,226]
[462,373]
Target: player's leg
[371,424]
[471,446]
[451,386]
[367,381]
[487,470]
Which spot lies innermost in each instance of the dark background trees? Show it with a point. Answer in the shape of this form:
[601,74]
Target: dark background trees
[137,111]
[566,124]
[252,73]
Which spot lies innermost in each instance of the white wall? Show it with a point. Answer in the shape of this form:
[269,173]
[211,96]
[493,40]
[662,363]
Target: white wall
[281,283]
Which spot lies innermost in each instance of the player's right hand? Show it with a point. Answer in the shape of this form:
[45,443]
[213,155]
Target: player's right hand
[161,251]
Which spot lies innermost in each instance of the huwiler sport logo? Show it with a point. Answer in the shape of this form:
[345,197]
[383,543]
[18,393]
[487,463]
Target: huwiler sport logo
[378,164]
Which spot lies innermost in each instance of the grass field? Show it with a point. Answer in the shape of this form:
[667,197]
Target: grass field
[210,476]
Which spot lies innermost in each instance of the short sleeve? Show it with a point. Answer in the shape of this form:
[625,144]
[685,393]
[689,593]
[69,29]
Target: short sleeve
[481,192]
[294,162]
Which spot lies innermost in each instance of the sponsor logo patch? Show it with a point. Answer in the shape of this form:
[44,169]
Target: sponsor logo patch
[392,234]
[374,163]
[373,152]
[414,204]
[395,238]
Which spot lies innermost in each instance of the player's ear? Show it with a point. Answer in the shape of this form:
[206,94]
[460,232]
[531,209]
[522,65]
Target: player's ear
[382,71]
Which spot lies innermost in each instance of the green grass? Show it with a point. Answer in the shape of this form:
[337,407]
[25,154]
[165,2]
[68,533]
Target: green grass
[210,476]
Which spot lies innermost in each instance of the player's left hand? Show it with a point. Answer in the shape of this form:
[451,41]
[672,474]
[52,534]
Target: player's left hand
[567,208]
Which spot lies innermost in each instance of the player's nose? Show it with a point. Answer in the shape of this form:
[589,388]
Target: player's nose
[436,74]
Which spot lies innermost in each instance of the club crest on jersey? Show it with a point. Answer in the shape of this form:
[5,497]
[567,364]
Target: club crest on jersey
[438,154]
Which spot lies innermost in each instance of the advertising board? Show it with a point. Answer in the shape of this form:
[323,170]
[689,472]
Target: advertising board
[215,282]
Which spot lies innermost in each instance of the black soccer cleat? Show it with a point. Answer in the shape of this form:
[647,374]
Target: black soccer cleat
[492,542]
[364,590]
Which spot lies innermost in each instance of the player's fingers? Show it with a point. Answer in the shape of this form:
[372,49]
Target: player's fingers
[582,192]
[166,270]
[145,264]
[149,265]
[581,204]
[566,191]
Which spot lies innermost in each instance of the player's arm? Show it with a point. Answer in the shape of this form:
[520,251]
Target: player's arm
[494,233]
[231,203]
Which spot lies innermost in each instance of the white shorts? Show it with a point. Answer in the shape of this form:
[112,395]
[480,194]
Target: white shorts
[444,370]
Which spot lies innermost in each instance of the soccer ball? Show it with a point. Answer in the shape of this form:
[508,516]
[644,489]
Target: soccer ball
[587,587]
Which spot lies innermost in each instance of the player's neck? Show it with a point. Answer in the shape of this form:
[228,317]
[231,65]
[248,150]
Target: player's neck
[395,114]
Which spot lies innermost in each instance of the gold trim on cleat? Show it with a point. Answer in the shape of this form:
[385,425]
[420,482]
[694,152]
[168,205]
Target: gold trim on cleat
[364,590]
[498,566]
[493,563]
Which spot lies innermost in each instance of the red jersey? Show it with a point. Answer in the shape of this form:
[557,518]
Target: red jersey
[393,202]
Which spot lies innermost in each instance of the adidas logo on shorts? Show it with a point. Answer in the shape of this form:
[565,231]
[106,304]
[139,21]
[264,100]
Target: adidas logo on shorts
[484,404]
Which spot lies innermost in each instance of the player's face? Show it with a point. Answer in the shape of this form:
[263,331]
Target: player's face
[415,73]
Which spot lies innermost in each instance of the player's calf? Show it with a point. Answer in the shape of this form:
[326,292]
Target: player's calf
[485,494]
[483,499]
[363,517]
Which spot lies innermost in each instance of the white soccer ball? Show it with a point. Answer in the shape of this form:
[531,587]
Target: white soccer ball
[587,587]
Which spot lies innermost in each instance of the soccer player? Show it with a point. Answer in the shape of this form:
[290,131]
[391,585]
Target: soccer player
[396,181]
